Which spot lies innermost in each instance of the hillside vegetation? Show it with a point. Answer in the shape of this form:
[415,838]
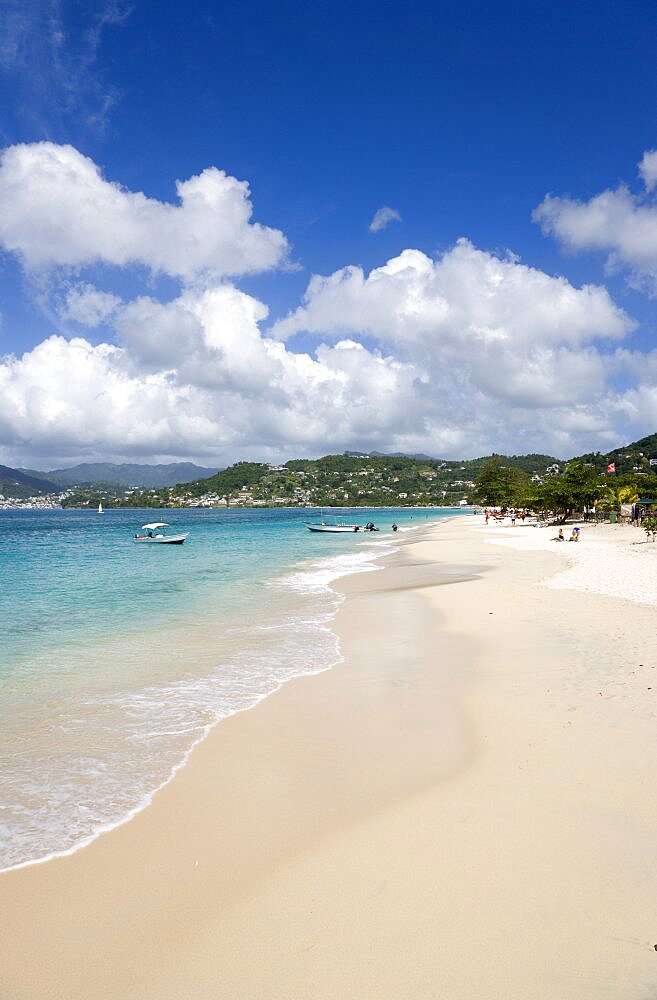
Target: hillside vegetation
[16,483]
[334,480]
[354,480]
[631,458]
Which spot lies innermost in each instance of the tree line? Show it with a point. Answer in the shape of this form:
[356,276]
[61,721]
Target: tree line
[579,487]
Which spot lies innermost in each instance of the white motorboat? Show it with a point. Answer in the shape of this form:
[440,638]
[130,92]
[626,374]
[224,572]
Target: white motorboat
[334,525]
[155,533]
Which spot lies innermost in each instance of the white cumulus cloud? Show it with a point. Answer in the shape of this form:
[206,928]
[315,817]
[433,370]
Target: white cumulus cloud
[466,297]
[383,217]
[475,352]
[88,305]
[59,211]
[648,168]
[506,354]
[67,396]
[195,377]
[616,221]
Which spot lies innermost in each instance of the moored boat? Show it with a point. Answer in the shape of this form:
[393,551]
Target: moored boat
[335,528]
[333,525]
[155,533]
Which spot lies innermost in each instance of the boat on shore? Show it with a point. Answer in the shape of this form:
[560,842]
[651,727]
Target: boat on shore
[155,533]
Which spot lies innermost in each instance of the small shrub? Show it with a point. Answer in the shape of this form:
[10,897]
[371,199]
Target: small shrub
[649,525]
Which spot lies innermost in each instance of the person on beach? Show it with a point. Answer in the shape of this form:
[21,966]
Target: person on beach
[487,516]
[394,527]
[513,519]
[574,535]
[559,537]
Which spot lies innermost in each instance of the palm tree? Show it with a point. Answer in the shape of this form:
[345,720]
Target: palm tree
[617,495]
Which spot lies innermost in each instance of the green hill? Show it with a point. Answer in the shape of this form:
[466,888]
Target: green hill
[237,477]
[633,457]
[18,484]
[351,479]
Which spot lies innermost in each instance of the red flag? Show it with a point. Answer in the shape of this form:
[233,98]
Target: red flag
[611,467]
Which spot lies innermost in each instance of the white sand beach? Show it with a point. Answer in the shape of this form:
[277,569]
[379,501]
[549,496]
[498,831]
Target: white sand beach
[463,808]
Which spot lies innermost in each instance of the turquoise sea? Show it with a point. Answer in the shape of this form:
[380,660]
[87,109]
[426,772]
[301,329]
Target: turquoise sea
[116,658]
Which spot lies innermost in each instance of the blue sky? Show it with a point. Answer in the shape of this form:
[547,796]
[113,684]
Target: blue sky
[461,118]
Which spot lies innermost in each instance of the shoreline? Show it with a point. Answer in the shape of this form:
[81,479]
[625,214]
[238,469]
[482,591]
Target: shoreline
[365,798]
[145,802]
[320,571]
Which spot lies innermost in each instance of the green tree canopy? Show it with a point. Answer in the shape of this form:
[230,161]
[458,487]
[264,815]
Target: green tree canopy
[579,486]
[502,485]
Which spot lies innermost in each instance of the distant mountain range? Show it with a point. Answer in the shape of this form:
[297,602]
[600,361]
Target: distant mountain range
[107,474]
[419,457]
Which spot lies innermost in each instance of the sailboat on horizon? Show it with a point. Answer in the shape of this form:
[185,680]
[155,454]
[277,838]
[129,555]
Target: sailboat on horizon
[100,508]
